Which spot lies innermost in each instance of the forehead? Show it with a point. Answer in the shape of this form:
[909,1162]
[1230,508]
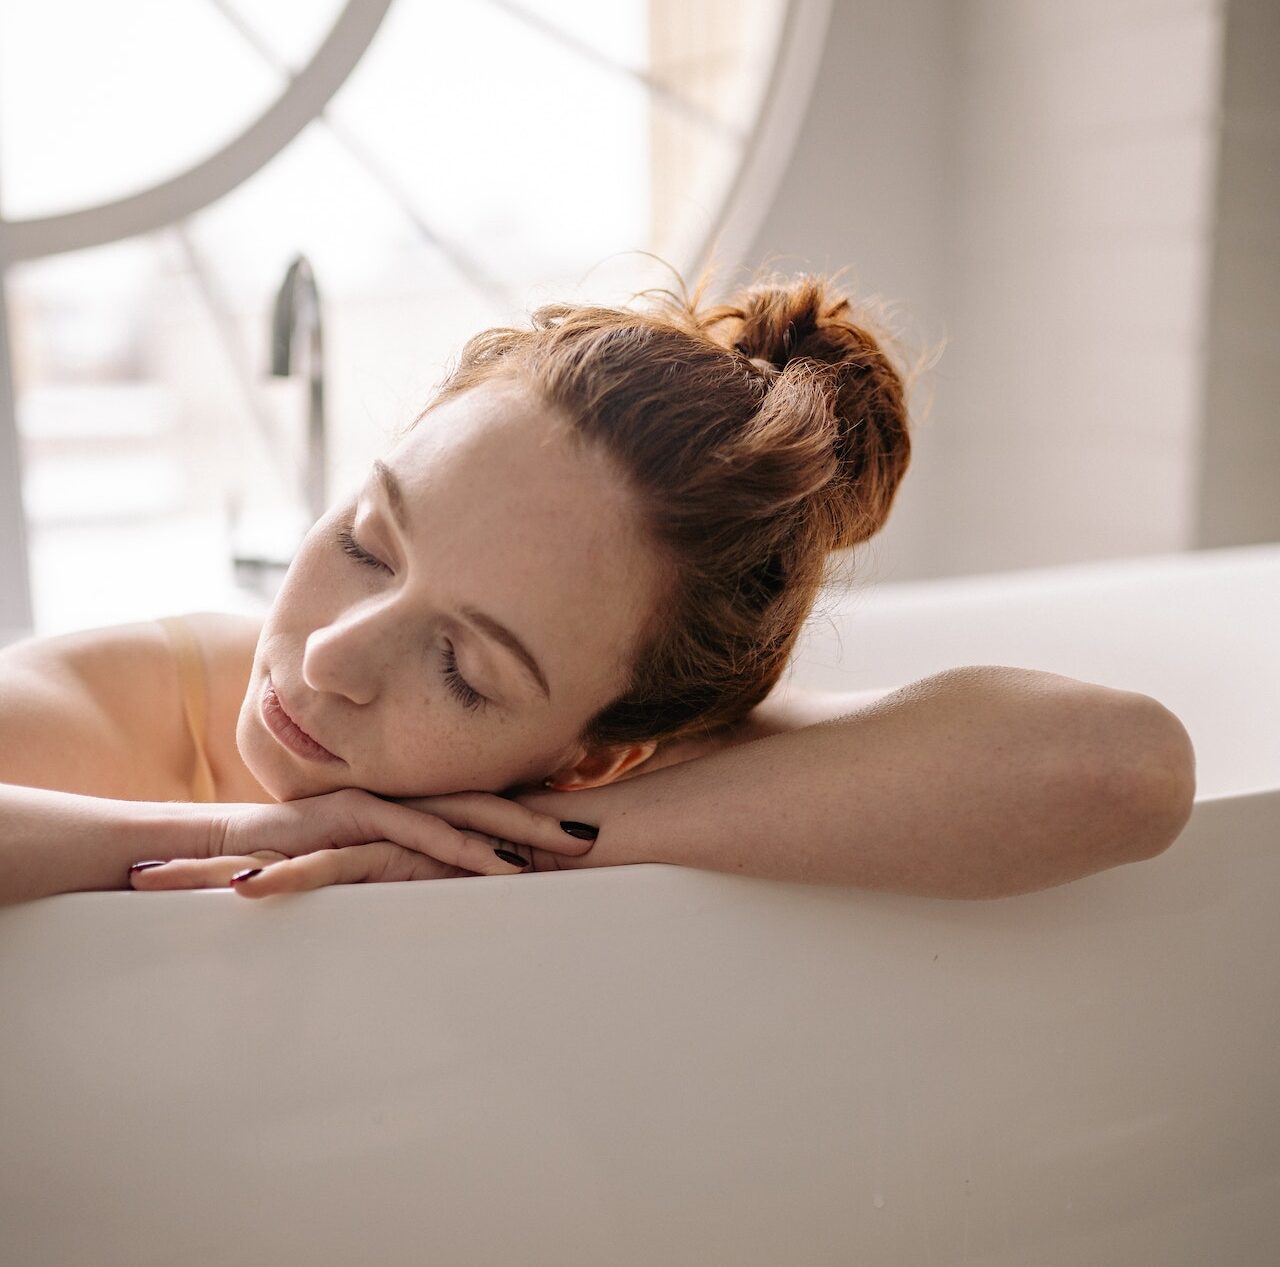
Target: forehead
[512,513]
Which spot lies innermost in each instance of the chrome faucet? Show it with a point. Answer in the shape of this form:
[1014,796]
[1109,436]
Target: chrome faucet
[295,320]
[297,312]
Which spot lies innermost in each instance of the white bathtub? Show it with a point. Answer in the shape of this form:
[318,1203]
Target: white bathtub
[655,1065]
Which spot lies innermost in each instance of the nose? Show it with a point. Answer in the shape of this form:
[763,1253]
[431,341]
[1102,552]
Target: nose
[354,653]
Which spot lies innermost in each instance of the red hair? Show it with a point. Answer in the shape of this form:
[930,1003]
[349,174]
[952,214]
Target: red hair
[760,435]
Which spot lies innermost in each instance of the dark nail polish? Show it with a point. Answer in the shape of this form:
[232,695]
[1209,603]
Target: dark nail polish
[583,831]
[247,874]
[514,858]
[144,866]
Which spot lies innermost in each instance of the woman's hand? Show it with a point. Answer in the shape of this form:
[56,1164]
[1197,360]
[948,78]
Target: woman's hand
[355,837]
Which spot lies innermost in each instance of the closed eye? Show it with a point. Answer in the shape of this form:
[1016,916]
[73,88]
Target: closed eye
[461,689]
[351,546]
[466,695]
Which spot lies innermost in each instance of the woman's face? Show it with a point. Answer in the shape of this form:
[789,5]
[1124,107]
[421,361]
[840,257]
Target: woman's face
[486,516]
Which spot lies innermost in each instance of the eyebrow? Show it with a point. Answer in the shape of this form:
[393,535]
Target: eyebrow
[481,620]
[393,492]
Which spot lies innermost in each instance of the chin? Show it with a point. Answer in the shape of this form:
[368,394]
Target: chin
[270,780]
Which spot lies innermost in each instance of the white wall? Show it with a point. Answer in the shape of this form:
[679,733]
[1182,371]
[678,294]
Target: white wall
[1084,161]
[1035,181]
[1239,493]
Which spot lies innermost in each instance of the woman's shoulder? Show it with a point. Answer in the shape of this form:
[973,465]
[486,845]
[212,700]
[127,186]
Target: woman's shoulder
[225,638]
[119,665]
[101,708]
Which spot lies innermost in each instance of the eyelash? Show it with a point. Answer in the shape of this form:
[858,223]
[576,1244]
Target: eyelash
[462,690]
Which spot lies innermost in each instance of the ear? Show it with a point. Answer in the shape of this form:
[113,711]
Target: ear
[594,769]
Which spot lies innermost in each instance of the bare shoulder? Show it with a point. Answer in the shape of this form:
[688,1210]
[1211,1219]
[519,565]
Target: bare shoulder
[227,644]
[125,667]
[99,711]
[225,637]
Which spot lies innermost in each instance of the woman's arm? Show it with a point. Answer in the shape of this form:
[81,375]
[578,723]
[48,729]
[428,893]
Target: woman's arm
[80,801]
[58,842]
[977,782]
[61,842]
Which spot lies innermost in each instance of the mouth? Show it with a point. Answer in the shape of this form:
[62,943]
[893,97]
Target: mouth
[287,731]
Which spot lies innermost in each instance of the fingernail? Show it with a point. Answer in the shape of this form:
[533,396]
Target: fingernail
[583,831]
[514,858]
[143,866]
[247,874]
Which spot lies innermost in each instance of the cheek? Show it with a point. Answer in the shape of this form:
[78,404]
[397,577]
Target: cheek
[315,586]
[314,560]
[443,753]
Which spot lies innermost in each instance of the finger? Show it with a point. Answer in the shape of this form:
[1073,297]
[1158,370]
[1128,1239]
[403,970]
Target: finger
[199,873]
[511,820]
[379,860]
[431,835]
[350,865]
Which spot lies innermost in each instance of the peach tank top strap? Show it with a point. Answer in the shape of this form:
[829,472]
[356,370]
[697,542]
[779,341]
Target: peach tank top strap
[191,678]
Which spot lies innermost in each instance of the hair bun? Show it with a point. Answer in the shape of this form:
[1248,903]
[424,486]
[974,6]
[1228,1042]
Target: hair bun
[838,372]
[779,321]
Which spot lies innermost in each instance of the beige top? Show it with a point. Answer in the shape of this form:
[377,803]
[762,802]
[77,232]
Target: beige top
[192,682]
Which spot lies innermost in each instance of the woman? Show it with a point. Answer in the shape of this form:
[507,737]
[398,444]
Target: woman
[550,630]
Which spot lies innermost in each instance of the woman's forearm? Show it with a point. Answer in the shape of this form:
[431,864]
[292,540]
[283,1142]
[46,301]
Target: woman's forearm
[60,842]
[977,782]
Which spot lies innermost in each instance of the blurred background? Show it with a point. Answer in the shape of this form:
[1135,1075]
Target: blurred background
[1079,200]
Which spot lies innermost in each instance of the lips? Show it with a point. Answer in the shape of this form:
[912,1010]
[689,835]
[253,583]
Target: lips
[277,720]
